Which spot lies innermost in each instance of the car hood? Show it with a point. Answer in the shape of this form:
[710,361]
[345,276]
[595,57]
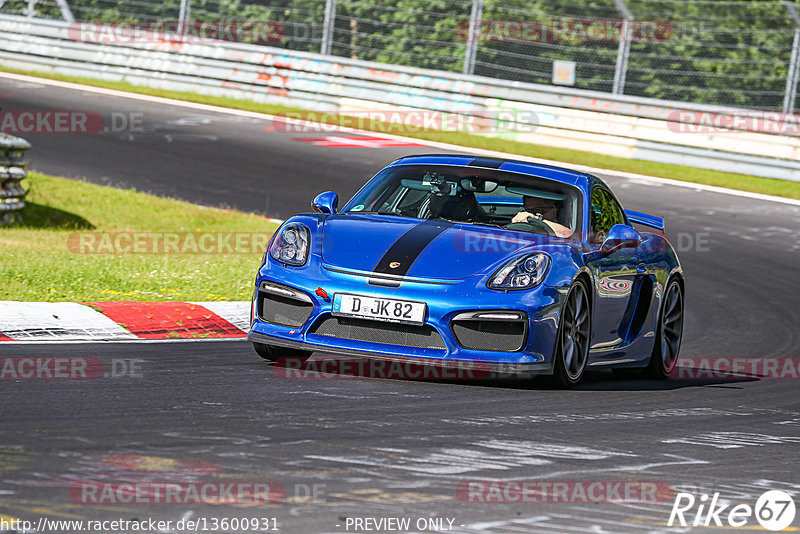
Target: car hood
[423,249]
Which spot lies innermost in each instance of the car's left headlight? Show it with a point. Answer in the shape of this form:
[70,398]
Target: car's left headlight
[290,245]
[523,272]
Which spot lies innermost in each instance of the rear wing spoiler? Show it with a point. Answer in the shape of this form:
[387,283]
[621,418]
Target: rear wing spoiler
[648,220]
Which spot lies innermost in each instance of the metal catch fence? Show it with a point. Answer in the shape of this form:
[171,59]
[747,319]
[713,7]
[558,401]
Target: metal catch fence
[716,52]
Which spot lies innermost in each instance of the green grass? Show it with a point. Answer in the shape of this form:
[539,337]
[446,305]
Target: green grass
[677,172]
[38,264]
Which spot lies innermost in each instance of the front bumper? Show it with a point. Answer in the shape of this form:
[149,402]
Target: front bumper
[445,300]
[462,369]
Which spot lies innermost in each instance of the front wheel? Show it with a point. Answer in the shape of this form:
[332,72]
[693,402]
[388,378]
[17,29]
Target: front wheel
[572,345]
[273,353]
[670,333]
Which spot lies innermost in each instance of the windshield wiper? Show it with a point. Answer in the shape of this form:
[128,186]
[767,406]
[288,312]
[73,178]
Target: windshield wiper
[380,213]
[493,225]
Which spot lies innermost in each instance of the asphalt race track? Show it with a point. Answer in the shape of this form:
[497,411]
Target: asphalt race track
[377,448]
[207,158]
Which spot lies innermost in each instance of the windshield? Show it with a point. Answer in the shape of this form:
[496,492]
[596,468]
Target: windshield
[474,196]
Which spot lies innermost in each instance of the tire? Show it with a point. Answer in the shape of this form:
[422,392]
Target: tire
[273,353]
[574,334]
[670,333]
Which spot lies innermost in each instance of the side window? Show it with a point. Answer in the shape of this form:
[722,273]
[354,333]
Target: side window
[392,199]
[404,200]
[605,213]
[411,201]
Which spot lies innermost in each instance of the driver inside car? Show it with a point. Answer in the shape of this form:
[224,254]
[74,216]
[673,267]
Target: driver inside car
[543,209]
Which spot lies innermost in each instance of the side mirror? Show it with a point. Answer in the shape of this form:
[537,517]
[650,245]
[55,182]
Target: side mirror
[326,202]
[621,236]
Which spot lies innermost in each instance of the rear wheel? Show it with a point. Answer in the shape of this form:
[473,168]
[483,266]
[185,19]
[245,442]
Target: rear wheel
[273,353]
[572,345]
[670,333]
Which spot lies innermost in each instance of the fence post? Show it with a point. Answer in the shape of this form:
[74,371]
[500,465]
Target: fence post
[183,16]
[794,67]
[66,12]
[623,50]
[30,12]
[328,26]
[473,36]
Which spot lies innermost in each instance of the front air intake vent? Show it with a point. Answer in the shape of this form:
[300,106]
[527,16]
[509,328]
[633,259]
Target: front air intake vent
[283,309]
[493,335]
[422,337]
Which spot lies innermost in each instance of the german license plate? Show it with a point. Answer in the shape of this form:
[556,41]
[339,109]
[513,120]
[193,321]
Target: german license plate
[378,308]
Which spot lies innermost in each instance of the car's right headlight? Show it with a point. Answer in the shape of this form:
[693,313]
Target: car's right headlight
[523,272]
[290,245]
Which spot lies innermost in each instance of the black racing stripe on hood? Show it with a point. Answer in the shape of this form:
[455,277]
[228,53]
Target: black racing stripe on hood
[487,163]
[409,246]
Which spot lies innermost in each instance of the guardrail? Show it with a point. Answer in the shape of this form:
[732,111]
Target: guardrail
[636,128]
[12,172]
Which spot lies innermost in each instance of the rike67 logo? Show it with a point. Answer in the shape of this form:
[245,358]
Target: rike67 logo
[774,510]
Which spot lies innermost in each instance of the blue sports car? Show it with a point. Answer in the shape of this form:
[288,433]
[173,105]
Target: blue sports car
[449,260]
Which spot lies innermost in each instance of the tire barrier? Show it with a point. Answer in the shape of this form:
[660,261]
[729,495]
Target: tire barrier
[12,172]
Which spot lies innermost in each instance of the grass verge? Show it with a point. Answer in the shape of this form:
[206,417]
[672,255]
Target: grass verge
[677,172]
[44,258]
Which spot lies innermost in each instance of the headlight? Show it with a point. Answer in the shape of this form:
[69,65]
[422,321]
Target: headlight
[521,273]
[290,246]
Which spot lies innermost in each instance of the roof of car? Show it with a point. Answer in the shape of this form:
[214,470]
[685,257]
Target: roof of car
[551,172]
